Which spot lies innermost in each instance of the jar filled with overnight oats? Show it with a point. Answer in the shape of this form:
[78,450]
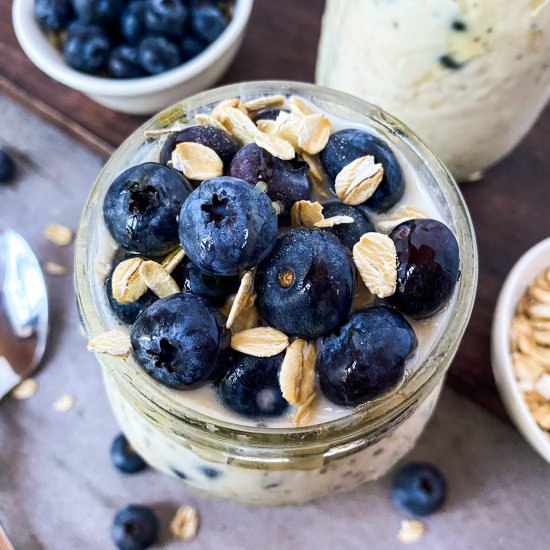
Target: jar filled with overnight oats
[469,77]
[279,460]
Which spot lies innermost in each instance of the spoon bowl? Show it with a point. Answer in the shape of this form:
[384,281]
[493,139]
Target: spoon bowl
[23,310]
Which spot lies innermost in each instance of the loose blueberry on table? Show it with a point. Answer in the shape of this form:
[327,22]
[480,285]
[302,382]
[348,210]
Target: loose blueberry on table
[135,527]
[219,291]
[419,488]
[120,39]
[124,457]
[7,166]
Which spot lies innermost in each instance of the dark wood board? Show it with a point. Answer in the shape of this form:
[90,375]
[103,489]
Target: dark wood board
[510,207]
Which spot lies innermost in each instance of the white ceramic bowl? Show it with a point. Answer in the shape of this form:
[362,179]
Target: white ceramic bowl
[531,264]
[143,95]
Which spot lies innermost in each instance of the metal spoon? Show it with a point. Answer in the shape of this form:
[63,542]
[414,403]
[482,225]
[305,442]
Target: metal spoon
[23,310]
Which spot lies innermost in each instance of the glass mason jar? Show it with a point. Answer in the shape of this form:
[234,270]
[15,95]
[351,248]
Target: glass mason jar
[275,466]
[469,77]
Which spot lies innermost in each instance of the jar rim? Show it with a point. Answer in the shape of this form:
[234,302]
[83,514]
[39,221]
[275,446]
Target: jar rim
[366,417]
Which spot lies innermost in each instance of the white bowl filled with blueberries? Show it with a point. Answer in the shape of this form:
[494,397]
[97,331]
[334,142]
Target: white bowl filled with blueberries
[134,56]
[274,284]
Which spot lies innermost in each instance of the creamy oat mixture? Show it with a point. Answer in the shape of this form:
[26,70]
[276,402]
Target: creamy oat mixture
[469,76]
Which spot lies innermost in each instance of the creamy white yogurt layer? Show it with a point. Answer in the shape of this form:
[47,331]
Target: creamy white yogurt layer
[205,400]
[469,76]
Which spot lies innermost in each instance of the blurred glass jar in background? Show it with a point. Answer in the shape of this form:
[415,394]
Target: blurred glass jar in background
[470,77]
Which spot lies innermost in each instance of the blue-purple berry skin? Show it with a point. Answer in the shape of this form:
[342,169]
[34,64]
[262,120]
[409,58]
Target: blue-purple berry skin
[428,267]
[365,357]
[227,226]
[306,286]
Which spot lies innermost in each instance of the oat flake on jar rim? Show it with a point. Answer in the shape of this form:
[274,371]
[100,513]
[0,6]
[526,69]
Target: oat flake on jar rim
[188,434]
[470,77]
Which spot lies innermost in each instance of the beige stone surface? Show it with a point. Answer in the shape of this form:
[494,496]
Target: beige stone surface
[59,491]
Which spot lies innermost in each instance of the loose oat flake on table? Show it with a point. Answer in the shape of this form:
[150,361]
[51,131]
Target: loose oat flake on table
[58,234]
[376,260]
[530,347]
[115,343]
[53,268]
[25,389]
[185,523]
[411,530]
[64,403]
[260,342]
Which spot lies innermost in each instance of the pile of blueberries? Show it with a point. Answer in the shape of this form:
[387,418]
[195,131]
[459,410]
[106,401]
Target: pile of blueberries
[305,277]
[130,39]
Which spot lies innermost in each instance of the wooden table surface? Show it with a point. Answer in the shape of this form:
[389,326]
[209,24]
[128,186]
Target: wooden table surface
[509,207]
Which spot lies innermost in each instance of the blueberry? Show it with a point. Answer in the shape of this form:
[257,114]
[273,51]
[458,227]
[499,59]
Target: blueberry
[208,22]
[132,21]
[166,17]
[251,386]
[181,341]
[428,266]
[86,48]
[211,473]
[191,47]
[267,114]
[227,226]
[305,287]
[97,11]
[419,488]
[141,208]
[124,62]
[7,166]
[348,233]
[127,312]
[365,357]
[287,182]
[124,457]
[53,15]
[345,146]
[158,54]
[218,140]
[134,528]
[214,288]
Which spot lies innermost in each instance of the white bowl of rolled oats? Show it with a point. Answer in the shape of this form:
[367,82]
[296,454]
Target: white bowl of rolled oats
[520,347]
